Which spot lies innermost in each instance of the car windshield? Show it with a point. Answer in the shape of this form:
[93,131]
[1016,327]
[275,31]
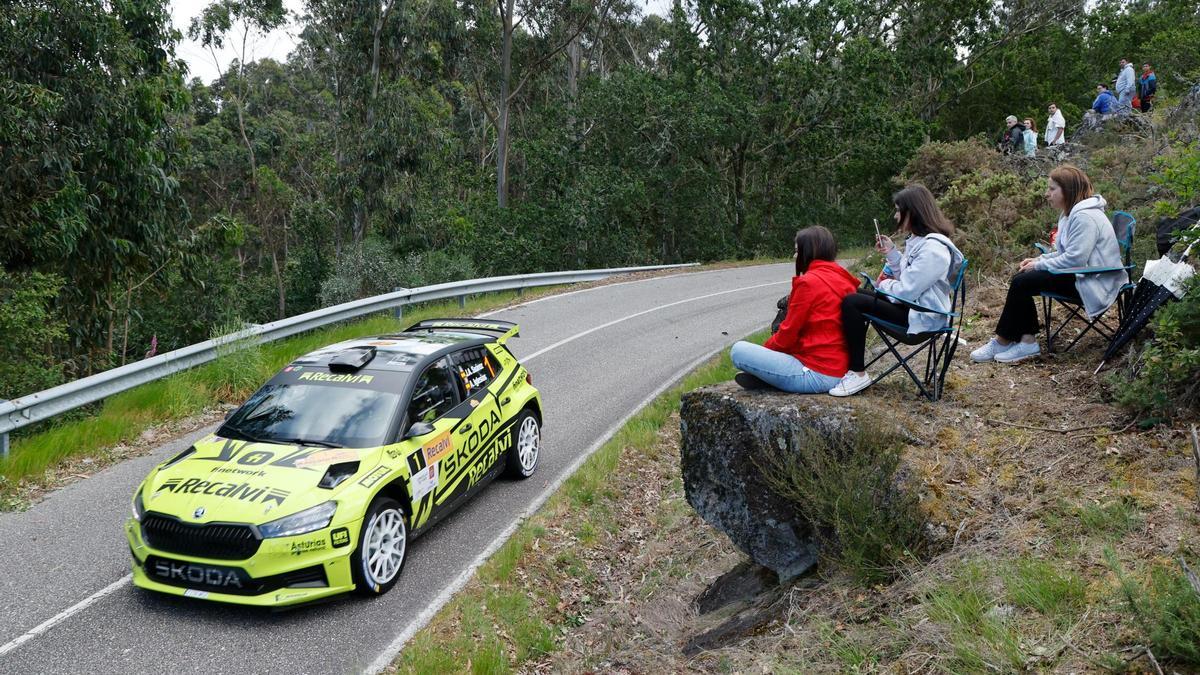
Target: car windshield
[313,414]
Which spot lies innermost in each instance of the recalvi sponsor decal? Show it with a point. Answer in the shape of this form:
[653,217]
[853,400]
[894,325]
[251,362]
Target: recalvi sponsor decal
[337,378]
[240,491]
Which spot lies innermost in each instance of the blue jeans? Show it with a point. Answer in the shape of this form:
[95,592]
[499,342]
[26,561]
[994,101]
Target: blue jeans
[782,371]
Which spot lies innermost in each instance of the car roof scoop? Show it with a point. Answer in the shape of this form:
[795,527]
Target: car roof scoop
[351,359]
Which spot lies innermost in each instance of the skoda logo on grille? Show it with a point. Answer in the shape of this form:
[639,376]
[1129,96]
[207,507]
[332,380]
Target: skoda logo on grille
[199,513]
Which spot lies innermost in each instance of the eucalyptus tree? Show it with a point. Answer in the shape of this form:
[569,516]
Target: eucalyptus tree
[89,158]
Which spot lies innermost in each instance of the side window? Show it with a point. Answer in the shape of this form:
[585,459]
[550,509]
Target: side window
[434,395]
[476,369]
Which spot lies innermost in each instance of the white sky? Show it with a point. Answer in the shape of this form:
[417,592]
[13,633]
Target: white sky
[277,45]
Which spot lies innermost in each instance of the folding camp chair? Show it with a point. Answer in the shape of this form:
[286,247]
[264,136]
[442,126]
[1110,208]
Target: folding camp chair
[1123,227]
[938,345]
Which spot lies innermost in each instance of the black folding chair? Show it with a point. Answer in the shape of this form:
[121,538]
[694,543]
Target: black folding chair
[1123,226]
[938,346]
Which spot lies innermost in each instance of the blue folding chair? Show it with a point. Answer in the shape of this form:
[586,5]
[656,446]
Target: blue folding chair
[937,345]
[1123,226]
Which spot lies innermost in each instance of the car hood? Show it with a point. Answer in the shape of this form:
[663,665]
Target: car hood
[242,482]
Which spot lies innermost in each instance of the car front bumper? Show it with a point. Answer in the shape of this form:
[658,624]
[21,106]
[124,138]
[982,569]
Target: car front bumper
[285,571]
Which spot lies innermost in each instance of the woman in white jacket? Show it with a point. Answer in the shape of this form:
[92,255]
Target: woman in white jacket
[1085,240]
[922,274]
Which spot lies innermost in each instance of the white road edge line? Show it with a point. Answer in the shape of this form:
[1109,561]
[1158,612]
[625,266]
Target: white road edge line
[65,614]
[564,294]
[393,650]
[637,314]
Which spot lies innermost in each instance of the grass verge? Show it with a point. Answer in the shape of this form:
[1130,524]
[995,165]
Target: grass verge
[525,596]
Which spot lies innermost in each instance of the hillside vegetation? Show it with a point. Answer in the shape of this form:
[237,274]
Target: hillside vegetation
[409,143]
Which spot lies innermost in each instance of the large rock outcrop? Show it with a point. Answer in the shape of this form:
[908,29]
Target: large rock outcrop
[726,431]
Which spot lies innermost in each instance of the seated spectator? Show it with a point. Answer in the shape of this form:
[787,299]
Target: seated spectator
[1105,103]
[1085,239]
[923,274]
[1031,137]
[1147,87]
[1013,139]
[808,353]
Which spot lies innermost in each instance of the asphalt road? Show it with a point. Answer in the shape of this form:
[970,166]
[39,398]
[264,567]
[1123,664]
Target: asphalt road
[597,355]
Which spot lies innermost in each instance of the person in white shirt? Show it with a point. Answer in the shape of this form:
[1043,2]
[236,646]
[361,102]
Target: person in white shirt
[1056,127]
[1126,81]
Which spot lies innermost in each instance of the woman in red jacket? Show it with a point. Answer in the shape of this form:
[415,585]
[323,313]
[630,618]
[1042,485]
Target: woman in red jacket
[808,354]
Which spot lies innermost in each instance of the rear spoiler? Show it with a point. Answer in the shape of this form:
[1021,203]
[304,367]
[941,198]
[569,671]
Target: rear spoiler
[505,329]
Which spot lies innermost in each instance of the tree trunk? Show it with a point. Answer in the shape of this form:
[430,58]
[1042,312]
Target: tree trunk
[502,121]
[574,58]
[279,285]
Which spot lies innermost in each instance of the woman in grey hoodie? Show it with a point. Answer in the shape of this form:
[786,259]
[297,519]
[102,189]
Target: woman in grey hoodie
[1085,240]
[922,274]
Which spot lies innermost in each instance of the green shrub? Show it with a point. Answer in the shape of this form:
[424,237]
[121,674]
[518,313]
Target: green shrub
[999,215]
[998,208]
[32,328]
[1165,608]
[937,165]
[1163,380]
[845,484]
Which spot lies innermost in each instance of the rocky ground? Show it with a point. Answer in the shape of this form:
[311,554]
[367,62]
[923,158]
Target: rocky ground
[1037,489]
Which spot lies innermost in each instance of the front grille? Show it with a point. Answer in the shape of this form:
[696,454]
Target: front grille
[217,541]
[230,580]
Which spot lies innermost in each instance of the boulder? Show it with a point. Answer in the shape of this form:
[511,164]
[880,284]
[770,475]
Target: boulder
[724,429]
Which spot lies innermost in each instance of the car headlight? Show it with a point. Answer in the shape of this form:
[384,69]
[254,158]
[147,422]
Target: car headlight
[139,508]
[308,520]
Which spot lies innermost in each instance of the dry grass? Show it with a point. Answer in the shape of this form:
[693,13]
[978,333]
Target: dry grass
[1025,516]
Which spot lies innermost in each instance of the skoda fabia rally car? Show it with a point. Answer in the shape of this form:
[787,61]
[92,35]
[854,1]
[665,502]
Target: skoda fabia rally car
[318,483]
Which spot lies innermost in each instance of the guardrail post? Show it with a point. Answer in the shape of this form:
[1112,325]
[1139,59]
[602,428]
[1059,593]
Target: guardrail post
[3,440]
[399,311]
[462,301]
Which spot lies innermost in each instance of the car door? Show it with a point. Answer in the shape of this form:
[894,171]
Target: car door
[483,431]
[435,398]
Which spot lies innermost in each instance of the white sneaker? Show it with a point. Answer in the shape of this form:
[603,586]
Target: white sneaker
[989,351]
[1018,351]
[851,384]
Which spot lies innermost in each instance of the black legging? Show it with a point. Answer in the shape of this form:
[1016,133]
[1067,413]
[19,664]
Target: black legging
[854,324]
[1020,315]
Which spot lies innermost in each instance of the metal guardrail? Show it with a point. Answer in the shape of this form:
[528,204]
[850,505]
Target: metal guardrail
[43,405]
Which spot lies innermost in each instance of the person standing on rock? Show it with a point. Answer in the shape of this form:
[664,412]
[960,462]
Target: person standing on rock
[1056,127]
[924,273]
[807,355]
[1031,137]
[1013,139]
[1126,86]
[1085,240]
[1147,87]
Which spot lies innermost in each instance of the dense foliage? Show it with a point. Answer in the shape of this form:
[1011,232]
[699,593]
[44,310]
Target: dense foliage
[405,143]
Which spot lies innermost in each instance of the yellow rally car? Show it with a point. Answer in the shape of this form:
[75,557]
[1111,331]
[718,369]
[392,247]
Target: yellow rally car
[318,483]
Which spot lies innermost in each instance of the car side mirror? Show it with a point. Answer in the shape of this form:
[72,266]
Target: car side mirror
[418,429]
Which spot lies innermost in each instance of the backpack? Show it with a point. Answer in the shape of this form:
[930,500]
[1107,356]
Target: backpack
[1167,226]
[781,314]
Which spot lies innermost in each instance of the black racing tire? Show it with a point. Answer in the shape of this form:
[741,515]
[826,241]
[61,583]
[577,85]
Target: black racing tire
[376,563]
[526,446]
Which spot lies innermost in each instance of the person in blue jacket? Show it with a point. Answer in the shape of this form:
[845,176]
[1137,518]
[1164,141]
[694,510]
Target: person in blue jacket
[1147,86]
[1105,102]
